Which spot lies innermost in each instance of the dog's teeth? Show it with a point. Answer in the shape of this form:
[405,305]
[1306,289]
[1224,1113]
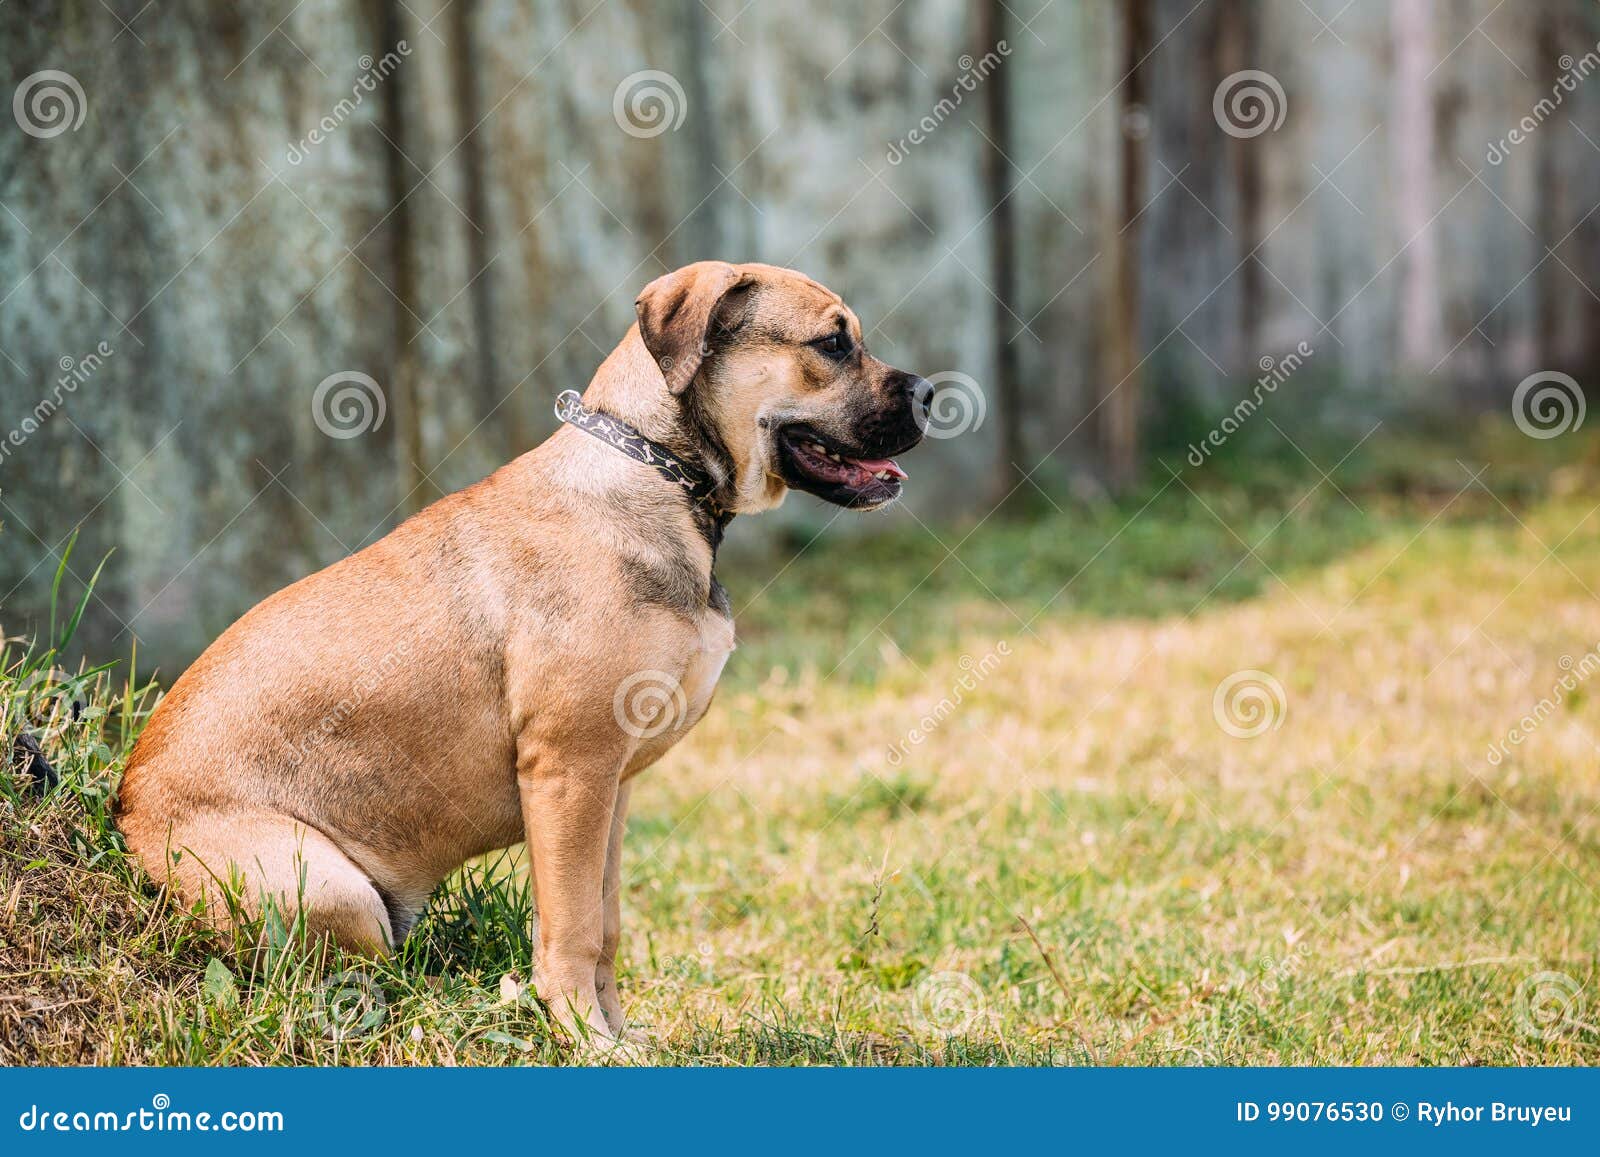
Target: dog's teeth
[882,476]
[834,456]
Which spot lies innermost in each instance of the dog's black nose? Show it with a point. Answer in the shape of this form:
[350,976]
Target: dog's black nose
[921,396]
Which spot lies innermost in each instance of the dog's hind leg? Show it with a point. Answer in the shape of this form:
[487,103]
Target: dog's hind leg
[242,864]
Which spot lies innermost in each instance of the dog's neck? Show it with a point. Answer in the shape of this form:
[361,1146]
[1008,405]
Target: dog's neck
[629,386]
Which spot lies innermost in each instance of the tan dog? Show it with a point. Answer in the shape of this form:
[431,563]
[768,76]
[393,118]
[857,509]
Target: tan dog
[501,665]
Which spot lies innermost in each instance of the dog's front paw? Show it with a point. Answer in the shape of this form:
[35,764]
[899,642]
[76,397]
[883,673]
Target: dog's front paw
[627,1049]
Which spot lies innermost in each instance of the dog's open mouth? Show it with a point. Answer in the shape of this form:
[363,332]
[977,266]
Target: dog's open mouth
[815,463]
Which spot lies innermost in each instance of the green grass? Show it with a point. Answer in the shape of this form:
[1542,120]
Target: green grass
[1074,864]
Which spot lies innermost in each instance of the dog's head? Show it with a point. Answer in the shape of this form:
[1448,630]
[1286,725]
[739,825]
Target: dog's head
[772,365]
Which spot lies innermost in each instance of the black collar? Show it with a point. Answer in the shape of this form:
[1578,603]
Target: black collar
[614,432]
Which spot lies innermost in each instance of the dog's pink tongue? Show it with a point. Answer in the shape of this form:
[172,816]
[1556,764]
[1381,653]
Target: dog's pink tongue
[878,465]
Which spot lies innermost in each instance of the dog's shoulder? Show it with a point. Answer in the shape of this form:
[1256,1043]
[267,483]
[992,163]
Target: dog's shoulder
[673,581]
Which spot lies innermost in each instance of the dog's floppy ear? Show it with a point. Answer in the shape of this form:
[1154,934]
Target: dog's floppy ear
[676,313]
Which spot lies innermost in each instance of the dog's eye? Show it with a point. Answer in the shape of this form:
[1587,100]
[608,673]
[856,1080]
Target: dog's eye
[835,345]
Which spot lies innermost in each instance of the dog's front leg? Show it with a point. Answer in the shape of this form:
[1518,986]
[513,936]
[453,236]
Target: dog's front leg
[605,979]
[568,800]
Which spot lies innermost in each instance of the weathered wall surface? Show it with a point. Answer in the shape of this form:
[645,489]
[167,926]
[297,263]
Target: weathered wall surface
[476,221]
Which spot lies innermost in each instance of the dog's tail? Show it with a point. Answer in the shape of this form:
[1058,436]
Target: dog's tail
[28,760]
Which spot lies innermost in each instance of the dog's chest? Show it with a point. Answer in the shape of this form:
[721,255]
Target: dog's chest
[701,647]
[700,675]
